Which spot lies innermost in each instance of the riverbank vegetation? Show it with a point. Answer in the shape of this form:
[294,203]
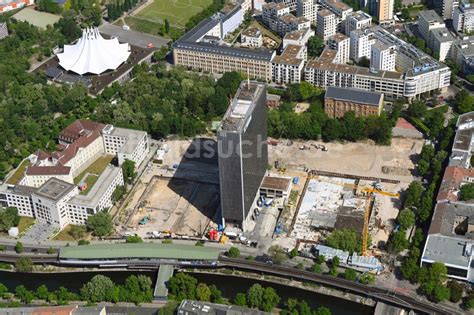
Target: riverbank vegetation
[183,286]
[136,289]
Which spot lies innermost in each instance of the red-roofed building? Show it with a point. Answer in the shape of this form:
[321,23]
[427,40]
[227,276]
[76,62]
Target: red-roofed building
[454,177]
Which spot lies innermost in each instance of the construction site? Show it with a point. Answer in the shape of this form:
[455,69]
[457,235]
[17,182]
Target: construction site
[333,201]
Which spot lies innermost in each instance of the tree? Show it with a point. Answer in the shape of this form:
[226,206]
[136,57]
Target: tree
[203,292]
[128,169]
[25,295]
[270,299]
[315,46]
[345,239]
[240,299]
[3,290]
[466,192]
[233,252]
[24,264]
[42,292]
[97,289]
[167,26]
[100,223]
[182,286]
[413,194]
[50,250]
[464,101]
[322,311]
[350,274]
[293,253]
[216,294]
[440,293]
[320,259]
[367,278]
[364,62]
[417,109]
[8,218]
[278,254]
[255,296]
[77,231]
[406,219]
[398,242]
[19,247]
[316,268]
[470,301]
[118,193]
[456,290]
[134,239]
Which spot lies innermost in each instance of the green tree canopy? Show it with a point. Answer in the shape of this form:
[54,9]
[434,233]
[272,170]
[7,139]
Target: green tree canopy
[100,223]
[406,219]
[466,192]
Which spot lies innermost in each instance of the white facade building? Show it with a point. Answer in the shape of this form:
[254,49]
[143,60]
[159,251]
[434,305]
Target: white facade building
[463,17]
[307,9]
[340,43]
[252,38]
[382,57]
[326,25]
[361,44]
[49,202]
[127,144]
[287,68]
[427,22]
[277,17]
[357,21]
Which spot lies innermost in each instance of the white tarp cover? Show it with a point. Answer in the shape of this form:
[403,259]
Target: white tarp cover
[93,54]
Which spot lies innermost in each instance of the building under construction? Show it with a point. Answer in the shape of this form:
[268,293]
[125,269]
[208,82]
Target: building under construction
[331,202]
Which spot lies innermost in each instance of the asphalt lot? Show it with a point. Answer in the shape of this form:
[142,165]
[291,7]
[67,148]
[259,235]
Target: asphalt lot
[132,37]
[38,233]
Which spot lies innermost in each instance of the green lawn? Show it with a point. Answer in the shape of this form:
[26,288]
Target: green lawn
[65,236]
[177,12]
[96,167]
[15,178]
[25,223]
[90,181]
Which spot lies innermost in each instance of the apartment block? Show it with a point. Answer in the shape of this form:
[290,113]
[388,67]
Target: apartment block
[445,8]
[441,43]
[340,43]
[361,44]
[463,17]
[251,38]
[357,21]
[299,38]
[385,10]
[340,10]
[326,25]
[383,56]
[338,101]
[462,52]
[427,22]
[291,4]
[288,67]
[307,9]
[277,17]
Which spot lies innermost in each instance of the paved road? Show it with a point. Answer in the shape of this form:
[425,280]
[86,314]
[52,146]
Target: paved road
[141,40]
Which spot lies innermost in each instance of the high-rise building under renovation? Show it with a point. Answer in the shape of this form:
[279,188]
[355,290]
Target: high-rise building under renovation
[243,152]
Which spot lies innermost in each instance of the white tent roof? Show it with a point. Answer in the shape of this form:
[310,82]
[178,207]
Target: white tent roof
[93,54]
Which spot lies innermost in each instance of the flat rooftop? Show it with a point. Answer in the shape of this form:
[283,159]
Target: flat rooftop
[135,38]
[430,16]
[276,183]
[188,307]
[242,106]
[54,189]
[446,249]
[92,198]
[143,250]
[132,137]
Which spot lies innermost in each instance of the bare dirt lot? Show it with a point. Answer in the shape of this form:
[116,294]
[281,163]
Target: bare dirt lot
[361,158]
[183,207]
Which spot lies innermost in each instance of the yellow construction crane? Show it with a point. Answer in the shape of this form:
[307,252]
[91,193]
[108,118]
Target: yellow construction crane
[365,231]
[369,190]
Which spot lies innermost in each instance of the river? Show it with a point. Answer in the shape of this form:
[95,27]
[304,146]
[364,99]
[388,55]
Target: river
[229,286]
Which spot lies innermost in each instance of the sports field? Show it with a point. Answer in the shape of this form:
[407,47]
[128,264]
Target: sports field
[177,12]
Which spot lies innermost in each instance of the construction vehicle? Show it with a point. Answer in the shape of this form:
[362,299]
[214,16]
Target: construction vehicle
[369,190]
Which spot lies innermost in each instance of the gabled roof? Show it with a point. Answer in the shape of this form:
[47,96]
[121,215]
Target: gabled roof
[354,95]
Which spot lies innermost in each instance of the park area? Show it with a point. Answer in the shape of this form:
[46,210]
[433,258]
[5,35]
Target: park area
[177,12]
